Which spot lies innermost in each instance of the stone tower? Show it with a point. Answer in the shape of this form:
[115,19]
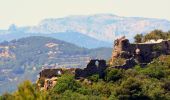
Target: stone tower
[119,47]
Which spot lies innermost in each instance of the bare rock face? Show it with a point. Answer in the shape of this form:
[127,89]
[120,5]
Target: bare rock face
[142,53]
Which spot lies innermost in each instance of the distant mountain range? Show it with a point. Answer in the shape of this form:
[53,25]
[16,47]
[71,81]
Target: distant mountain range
[88,31]
[71,37]
[24,58]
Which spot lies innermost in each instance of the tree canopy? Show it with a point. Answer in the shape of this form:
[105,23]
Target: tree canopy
[153,35]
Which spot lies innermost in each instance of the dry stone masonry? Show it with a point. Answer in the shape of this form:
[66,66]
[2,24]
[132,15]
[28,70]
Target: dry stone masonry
[95,66]
[141,53]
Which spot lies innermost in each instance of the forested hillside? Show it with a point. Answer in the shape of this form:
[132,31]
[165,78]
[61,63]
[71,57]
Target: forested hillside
[149,83]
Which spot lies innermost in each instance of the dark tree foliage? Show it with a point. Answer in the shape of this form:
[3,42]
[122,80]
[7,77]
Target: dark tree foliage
[138,38]
[113,74]
[153,35]
[66,82]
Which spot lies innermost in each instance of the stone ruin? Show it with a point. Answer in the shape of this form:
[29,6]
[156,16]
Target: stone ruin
[49,73]
[133,53]
[141,53]
[93,67]
[49,77]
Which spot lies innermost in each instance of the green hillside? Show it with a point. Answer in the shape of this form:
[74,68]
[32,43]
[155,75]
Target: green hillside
[150,83]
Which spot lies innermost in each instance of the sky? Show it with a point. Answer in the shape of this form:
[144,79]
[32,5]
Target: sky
[31,12]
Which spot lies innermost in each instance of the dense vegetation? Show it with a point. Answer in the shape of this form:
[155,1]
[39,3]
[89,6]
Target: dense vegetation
[149,83]
[153,35]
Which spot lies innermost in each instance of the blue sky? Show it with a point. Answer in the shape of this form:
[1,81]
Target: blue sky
[31,12]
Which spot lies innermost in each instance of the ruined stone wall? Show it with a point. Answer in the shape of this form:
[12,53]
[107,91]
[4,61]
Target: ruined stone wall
[164,46]
[49,73]
[93,67]
[142,52]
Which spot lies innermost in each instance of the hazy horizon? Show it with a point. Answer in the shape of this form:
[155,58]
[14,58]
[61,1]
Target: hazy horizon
[31,12]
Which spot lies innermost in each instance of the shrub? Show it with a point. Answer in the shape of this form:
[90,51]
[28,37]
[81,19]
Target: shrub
[66,82]
[130,89]
[6,96]
[113,74]
[138,38]
[26,91]
[94,78]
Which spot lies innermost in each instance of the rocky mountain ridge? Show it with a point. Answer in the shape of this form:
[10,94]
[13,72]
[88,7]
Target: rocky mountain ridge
[105,27]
